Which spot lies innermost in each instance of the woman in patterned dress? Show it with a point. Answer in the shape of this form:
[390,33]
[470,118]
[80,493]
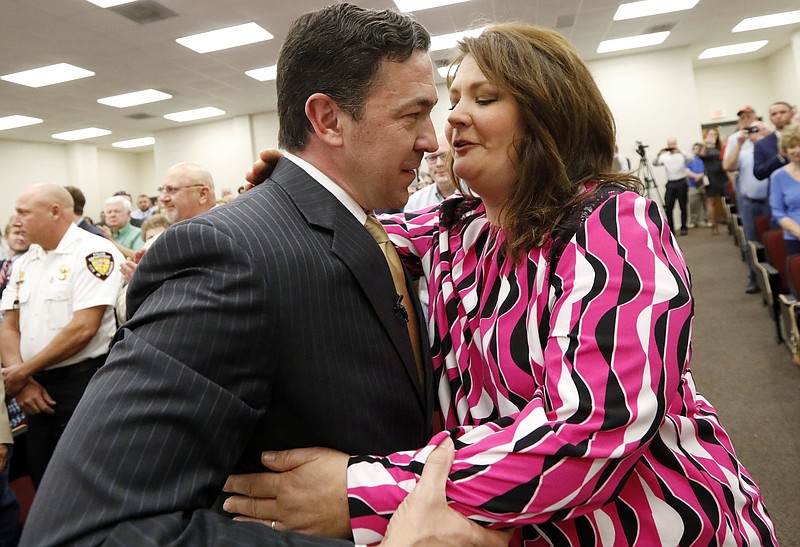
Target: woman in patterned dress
[561,318]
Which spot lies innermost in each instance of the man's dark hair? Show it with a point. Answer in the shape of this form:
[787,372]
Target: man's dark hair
[78,198]
[337,51]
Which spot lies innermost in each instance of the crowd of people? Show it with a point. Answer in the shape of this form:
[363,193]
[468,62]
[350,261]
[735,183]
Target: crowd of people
[756,159]
[283,329]
[61,285]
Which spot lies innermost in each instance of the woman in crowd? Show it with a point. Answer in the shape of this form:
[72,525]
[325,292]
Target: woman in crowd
[561,319]
[784,189]
[711,154]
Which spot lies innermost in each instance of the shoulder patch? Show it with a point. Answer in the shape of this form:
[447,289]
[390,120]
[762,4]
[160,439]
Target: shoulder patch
[100,264]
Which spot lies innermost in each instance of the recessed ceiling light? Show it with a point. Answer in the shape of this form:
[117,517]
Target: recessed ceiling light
[632,42]
[734,49]
[418,5]
[196,114]
[225,38]
[109,3]
[264,74]
[135,98]
[11,122]
[644,8]
[80,134]
[48,75]
[449,41]
[767,21]
[134,143]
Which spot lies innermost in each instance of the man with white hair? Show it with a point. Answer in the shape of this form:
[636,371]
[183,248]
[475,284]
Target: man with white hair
[58,316]
[443,186]
[126,236]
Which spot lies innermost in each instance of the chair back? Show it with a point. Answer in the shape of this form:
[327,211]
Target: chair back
[776,255]
[793,273]
[763,223]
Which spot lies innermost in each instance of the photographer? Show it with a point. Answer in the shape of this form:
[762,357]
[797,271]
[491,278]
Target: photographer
[674,161]
[752,193]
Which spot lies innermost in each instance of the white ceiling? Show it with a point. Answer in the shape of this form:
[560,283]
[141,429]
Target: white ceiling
[129,56]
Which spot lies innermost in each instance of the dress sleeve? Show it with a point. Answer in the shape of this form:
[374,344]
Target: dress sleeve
[776,201]
[412,234]
[618,345]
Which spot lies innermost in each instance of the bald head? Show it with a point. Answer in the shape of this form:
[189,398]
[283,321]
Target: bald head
[44,214]
[50,193]
[188,190]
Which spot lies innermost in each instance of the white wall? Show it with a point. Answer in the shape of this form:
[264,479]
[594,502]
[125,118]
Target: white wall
[784,77]
[98,173]
[652,98]
[223,147]
[728,87]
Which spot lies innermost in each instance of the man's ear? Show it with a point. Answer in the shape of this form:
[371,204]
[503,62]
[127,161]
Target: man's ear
[325,117]
[206,194]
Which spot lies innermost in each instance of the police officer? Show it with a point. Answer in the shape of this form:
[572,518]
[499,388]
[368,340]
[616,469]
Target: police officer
[59,316]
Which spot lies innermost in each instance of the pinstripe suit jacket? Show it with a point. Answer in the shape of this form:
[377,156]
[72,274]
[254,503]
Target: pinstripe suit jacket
[265,324]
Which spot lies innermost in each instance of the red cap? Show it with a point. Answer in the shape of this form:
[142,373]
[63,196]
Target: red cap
[747,108]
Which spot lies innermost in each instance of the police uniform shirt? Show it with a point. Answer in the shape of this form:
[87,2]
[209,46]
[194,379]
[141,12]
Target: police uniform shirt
[48,287]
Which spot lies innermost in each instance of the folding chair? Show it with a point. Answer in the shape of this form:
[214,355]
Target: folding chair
[790,308]
[771,274]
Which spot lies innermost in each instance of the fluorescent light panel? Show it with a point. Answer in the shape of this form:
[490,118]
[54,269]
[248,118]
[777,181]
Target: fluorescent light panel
[12,122]
[48,75]
[264,74]
[225,38]
[109,3]
[632,42]
[449,41]
[135,98]
[134,143]
[419,5]
[767,21]
[734,49]
[196,114]
[80,134]
[645,8]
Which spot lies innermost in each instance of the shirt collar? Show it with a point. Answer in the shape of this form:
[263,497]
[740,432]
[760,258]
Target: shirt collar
[65,246]
[338,192]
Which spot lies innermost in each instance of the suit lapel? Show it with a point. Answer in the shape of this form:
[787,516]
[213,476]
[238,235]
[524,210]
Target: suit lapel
[353,245]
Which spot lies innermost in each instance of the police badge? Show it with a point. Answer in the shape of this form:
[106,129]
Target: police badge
[101,264]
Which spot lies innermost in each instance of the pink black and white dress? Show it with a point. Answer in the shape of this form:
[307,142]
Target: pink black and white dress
[569,394]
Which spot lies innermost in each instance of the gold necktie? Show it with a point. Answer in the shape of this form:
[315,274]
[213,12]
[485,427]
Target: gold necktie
[377,231]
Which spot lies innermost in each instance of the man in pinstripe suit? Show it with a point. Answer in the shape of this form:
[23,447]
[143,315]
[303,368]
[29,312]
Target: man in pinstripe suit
[269,323]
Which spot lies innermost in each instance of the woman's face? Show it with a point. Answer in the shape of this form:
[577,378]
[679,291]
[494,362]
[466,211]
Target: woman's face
[484,122]
[793,153]
[711,136]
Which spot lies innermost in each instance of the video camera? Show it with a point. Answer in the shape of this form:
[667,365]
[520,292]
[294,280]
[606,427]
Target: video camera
[640,148]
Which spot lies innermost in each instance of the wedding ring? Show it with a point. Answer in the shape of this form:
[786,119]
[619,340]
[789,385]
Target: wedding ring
[272,525]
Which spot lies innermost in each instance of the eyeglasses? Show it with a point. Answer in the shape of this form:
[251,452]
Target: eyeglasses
[170,190]
[433,158]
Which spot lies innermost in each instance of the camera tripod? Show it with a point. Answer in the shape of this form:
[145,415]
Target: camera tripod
[645,174]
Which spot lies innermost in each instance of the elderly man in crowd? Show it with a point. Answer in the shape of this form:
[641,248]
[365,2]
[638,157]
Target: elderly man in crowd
[188,190]
[58,316]
[118,228]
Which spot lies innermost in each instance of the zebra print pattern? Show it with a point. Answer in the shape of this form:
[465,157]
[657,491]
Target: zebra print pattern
[595,435]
